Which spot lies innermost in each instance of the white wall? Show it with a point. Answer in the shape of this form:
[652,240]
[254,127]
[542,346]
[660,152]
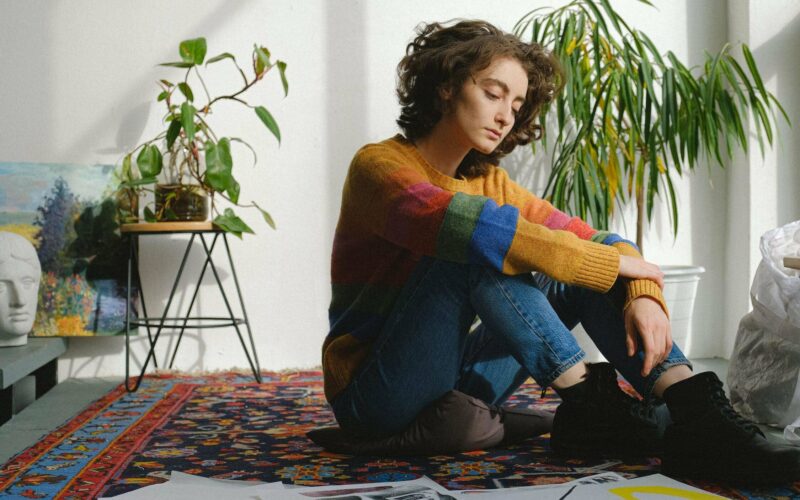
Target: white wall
[78,87]
[763,190]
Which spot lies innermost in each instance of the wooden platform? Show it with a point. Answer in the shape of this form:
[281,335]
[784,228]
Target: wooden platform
[168,227]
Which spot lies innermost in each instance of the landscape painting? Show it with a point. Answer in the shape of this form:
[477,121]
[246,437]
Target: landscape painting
[68,213]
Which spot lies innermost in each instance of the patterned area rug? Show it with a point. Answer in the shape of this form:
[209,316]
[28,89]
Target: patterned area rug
[226,426]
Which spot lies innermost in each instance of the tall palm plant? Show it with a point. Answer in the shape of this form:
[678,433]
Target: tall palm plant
[631,118]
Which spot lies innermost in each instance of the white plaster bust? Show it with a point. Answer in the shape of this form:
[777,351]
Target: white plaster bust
[20,273]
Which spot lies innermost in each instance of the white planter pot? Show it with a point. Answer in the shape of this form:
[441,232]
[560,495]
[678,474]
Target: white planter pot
[680,291]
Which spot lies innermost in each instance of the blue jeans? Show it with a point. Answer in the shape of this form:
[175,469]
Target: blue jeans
[427,346]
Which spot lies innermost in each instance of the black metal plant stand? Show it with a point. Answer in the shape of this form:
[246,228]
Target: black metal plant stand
[196,230]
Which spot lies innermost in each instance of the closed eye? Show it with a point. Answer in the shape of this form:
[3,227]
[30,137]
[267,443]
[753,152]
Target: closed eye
[491,96]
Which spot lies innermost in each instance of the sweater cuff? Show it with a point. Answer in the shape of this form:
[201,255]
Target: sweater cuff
[644,288]
[599,267]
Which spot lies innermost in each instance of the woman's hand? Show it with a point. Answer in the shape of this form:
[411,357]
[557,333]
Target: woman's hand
[635,268]
[647,323]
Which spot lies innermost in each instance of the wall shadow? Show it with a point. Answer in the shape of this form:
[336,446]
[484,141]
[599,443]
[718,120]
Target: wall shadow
[707,30]
[136,114]
[28,86]
[345,96]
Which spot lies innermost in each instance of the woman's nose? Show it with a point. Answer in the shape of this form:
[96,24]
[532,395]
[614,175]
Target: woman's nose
[504,117]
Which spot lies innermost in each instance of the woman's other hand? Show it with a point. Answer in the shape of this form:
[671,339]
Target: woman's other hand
[635,268]
[646,323]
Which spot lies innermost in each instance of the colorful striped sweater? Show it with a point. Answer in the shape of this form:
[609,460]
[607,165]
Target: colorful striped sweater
[397,208]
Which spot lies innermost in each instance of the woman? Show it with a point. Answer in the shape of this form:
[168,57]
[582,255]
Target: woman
[432,233]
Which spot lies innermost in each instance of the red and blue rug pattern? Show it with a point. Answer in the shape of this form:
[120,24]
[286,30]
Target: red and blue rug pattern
[228,427]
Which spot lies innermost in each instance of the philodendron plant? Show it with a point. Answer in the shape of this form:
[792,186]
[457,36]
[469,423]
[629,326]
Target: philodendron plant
[188,152]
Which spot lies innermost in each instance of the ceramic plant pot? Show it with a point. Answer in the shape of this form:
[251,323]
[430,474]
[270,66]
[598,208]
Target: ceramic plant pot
[680,291]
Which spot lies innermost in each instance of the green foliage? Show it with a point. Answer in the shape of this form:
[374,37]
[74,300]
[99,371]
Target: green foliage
[176,153]
[231,223]
[631,119]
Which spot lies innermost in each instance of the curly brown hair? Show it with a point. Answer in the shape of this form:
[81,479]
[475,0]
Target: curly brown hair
[443,57]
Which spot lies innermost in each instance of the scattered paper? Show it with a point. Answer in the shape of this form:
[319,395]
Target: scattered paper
[605,485]
[183,486]
[653,487]
[603,478]
[422,488]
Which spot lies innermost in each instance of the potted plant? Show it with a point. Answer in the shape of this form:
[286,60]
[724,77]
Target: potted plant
[187,164]
[631,118]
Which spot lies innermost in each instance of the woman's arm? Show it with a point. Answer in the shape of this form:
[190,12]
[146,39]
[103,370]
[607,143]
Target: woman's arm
[643,279]
[398,203]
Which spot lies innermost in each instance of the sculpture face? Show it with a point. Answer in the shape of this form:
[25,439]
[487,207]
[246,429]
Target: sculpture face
[19,288]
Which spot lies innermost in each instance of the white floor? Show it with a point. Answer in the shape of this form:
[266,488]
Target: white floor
[71,396]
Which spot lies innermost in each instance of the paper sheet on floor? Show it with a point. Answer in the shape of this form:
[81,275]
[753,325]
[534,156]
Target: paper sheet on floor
[605,485]
[602,478]
[653,487]
[188,487]
[422,488]
[599,486]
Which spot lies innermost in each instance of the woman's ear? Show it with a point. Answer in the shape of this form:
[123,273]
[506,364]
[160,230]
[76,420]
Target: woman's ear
[445,99]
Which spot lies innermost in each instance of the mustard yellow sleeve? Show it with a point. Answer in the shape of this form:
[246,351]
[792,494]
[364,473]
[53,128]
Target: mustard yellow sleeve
[640,288]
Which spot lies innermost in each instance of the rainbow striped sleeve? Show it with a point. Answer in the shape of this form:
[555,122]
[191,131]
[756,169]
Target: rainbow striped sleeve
[402,206]
[540,211]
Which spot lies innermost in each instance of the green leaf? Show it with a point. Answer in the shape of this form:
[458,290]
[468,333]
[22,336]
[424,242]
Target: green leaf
[193,51]
[167,83]
[187,120]
[267,217]
[169,214]
[177,64]
[599,19]
[186,90]
[751,65]
[269,121]
[673,204]
[149,216]
[172,132]
[163,95]
[233,190]
[219,165]
[231,223]
[224,55]
[149,161]
[780,108]
[761,113]
[282,70]
[127,172]
[262,59]
[651,46]
[139,182]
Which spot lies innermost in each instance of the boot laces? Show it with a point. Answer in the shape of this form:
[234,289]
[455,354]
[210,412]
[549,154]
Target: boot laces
[610,390]
[720,400]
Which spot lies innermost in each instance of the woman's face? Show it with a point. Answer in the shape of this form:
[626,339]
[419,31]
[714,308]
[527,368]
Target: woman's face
[482,114]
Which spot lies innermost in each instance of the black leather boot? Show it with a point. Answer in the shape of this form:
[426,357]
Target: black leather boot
[710,440]
[597,418]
